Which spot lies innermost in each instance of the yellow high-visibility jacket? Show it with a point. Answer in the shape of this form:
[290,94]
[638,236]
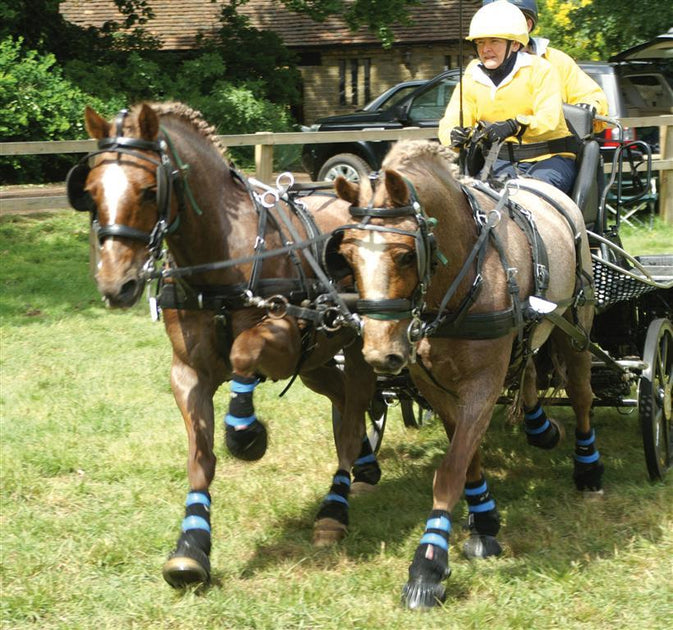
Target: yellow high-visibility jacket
[576,85]
[531,94]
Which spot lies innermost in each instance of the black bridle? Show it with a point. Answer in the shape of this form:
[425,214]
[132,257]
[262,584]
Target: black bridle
[425,250]
[165,178]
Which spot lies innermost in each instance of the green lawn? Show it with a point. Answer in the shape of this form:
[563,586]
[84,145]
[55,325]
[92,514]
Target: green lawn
[93,481]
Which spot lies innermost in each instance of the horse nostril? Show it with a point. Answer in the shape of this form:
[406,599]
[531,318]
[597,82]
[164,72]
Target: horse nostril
[394,362]
[128,290]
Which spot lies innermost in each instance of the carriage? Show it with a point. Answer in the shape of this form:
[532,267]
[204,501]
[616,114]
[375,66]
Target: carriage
[158,177]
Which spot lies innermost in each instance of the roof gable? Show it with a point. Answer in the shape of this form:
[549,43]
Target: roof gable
[177,24]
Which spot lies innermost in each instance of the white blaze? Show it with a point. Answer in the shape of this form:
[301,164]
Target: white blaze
[374,276]
[114,183]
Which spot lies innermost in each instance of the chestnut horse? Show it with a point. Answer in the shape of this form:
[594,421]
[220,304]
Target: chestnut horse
[461,285]
[159,174]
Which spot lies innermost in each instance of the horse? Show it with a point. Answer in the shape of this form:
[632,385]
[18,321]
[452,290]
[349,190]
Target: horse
[159,176]
[461,284]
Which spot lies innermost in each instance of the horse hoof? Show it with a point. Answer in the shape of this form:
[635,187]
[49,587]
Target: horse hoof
[481,546]
[420,595]
[361,487]
[328,531]
[550,438]
[182,571]
[248,444]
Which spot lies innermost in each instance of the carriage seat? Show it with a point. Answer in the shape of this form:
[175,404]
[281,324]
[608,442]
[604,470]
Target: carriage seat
[588,183]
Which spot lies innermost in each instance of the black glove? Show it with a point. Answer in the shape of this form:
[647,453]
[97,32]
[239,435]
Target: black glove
[588,107]
[498,131]
[460,136]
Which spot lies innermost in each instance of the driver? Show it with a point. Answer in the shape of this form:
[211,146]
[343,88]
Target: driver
[515,98]
[577,87]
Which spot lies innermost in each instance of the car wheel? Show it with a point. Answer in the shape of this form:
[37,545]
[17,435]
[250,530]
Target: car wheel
[350,166]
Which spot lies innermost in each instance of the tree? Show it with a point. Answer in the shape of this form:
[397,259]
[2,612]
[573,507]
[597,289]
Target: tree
[598,29]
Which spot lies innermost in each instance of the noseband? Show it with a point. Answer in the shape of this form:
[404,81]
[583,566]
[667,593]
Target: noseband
[165,177]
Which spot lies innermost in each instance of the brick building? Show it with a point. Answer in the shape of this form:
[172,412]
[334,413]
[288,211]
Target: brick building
[341,70]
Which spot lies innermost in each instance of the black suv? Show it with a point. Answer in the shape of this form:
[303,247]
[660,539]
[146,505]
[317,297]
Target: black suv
[637,82]
[408,104]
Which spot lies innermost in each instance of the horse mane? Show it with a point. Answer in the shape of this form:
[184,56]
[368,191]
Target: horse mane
[189,115]
[407,153]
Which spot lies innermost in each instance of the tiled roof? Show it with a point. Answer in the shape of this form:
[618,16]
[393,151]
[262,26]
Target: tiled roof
[178,23]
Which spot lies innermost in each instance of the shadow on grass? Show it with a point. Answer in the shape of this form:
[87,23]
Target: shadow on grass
[547,524]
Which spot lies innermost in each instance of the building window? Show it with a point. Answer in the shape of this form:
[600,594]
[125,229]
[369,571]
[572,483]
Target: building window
[367,80]
[354,81]
[349,75]
[342,81]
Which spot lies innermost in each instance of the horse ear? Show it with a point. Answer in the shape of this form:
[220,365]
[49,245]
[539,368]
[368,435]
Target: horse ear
[348,191]
[148,121]
[96,126]
[397,188]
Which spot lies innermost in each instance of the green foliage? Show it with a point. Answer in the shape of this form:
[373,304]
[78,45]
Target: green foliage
[598,29]
[38,103]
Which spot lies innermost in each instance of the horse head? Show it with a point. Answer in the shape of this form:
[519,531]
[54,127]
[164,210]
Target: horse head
[388,266]
[124,184]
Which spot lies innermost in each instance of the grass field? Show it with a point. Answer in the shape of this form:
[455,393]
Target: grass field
[93,481]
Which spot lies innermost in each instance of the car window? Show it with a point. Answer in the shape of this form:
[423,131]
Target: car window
[431,104]
[397,97]
[647,92]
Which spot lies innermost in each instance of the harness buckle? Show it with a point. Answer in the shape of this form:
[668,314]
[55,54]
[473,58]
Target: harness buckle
[276,306]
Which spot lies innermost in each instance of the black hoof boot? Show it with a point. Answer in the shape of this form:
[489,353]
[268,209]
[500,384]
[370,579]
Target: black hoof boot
[541,432]
[369,473]
[588,472]
[188,564]
[483,522]
[430,566]
[425,590]
[249,443]
[480,546]
[588,478]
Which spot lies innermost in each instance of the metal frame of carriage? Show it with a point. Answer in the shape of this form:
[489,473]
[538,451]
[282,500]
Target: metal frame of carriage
[633,331]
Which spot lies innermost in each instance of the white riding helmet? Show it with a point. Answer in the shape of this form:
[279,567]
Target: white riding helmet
[499,19]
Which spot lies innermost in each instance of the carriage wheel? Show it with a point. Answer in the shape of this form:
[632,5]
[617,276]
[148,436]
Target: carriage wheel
[654,398]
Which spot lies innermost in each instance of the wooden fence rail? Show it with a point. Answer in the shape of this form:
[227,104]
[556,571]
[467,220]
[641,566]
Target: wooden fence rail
[265,141]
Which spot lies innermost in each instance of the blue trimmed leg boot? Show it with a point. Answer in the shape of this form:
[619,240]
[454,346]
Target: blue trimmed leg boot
[540,430]
[331,523]
[245,435]
[189,563]
[588,471]
[483,522]
[430,566]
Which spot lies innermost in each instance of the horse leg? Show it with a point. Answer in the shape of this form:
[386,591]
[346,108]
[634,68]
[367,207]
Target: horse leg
[483,516]
[189,562]
[588,468]
[541,431]
[472,411]
[359,382]
[270,348]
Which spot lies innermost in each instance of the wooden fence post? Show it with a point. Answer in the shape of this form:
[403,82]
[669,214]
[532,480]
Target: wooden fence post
[264,157]
[666,177]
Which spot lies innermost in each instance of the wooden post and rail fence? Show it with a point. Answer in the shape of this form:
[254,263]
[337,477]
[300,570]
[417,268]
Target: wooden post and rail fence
[264,143]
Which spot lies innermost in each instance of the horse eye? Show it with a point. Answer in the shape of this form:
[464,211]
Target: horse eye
[406,260]
[150,194]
